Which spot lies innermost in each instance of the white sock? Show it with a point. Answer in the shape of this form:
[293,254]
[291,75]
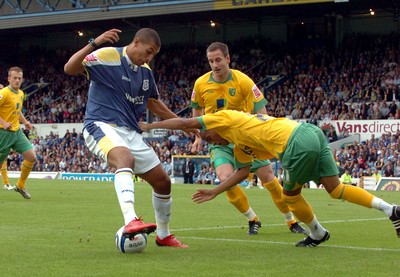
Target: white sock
[379,204]
[124,187]
[250,214]
[162,206]
[288,216]
[317,232]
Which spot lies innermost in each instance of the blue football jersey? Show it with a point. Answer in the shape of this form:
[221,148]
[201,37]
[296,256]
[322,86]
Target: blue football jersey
[118,90]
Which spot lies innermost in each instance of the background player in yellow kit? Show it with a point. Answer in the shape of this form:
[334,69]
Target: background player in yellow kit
[228,89]
[301,147]
[11,135]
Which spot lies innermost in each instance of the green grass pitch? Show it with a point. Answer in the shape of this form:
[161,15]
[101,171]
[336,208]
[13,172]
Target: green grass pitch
[68,229]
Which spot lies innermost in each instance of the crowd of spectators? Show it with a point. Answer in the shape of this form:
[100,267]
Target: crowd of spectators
[359,80]
[374,155]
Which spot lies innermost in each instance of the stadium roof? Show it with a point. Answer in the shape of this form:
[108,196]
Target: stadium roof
[118,14]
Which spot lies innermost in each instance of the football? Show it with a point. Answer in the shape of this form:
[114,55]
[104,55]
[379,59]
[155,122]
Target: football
[130,245]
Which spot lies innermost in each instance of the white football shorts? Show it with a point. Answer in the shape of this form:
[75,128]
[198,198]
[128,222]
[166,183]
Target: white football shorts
[101,137]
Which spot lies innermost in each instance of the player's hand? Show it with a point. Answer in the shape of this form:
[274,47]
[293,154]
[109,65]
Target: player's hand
[144,126]
[111,36]
[7,126]
[196,146]
[203,195]
[28,125]
[194,132]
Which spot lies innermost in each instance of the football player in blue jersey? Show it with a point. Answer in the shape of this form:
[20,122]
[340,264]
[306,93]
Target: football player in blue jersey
[122,87]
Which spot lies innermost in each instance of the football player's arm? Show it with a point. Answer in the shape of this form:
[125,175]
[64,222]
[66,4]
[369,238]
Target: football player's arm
[158,108]
[203,195]
[198,112]
[23,120]
[172,124]
[5,125]
[74,65]
[256,97]
[263,110]
[196,146]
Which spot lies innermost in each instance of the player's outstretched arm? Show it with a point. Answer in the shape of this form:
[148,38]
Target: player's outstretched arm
[203,195]
[159,108]
[172,124]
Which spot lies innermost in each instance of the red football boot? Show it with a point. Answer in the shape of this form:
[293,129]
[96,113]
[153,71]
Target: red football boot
[170,241]
[137,226]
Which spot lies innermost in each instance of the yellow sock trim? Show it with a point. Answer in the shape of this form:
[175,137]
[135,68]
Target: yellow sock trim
[275,190]
[289,223]
[238,199]
[255,219]
[352,194]
[300,207]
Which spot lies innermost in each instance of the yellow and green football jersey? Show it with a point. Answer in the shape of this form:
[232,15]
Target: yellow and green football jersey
[255,136]
[238,93]
[11,102]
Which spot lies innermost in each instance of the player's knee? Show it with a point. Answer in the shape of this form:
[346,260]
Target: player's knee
[223,176]
[29,156]
[159,180]
[31,159]
[265,174]
[165,180]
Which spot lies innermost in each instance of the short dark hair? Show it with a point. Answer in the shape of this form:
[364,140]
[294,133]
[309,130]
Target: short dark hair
[218,46]
[148,35]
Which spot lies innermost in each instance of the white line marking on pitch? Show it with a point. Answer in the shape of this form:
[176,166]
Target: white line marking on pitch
[290,243]
[285,243]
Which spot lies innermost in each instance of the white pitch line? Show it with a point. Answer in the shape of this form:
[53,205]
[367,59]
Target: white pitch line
[289,243]
[281,242]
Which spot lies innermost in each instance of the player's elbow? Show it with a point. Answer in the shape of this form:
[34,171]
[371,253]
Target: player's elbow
[68,70]
[72,70]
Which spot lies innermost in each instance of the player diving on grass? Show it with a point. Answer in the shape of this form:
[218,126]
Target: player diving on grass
[302,150]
